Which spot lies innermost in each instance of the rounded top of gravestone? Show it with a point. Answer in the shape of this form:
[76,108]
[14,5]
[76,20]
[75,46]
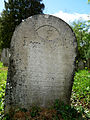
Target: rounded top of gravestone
[46,31]
[46,28]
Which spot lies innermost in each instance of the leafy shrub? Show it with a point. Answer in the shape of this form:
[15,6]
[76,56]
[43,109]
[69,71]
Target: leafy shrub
[3,77]
[1,65]
[67,112]
[81,91]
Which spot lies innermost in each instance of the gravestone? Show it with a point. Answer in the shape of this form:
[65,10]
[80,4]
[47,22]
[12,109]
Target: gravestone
[42,63]
[5,56]
[81,65]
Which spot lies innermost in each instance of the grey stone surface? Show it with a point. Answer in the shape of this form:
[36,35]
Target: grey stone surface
[5,56]
[81,65]
[43,51]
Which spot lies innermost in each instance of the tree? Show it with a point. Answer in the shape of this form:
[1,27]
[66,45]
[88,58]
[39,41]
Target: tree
[82,31]
[15,11]
[88,1]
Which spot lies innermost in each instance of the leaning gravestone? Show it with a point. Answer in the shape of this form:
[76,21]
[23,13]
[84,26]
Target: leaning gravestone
[42,63]
[5,56]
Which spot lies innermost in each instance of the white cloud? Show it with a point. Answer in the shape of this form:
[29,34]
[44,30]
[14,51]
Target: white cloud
[68,17]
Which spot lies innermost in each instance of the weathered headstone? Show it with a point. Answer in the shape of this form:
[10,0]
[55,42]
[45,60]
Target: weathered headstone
[43,51]
[5,56]
[81,65]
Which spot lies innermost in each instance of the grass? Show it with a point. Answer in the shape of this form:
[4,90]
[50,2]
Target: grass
[81,92]
[3,77]
[79,101]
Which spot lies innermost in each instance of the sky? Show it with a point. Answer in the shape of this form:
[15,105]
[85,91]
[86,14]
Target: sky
[68,10]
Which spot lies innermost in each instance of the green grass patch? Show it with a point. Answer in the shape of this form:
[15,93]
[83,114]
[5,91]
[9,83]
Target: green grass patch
[81,92]
[3,77]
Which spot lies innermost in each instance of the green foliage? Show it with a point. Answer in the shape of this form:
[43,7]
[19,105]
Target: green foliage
[15,11]
[23,109]
[88,1]
[81,84]
[67,112]
[81,91]
[3,77]
[1,65]
[6,117]
[35,111]
[81,30]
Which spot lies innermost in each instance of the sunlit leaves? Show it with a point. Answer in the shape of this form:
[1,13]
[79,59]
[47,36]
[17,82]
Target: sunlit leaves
[3,77]
[81,90]
[82,31]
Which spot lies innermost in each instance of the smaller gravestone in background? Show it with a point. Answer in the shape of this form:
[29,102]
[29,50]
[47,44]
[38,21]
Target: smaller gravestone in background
[42,63]
[81,65]
[5,56]
[88,63]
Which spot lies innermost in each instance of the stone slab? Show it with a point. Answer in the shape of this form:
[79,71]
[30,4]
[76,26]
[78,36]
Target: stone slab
[42,63]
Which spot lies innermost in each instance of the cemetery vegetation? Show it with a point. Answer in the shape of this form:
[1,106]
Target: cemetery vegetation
[78,110]
[14,13]
[82,32]
[3,78]
[80,98]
